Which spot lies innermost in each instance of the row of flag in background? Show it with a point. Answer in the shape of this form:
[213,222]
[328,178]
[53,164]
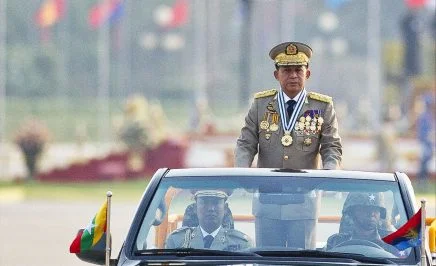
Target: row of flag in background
[93,237]
[52,11]
[107,11]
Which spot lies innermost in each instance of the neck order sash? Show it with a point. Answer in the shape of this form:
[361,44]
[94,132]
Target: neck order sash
[288,125]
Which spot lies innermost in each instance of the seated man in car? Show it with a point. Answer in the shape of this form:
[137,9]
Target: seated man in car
[366,211]
[209,233]
[190,217]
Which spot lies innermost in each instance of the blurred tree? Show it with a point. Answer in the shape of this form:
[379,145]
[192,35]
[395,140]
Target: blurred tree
[143,128]
[134,132]
[31,138]
[32,72]
[144,124]
[411,28]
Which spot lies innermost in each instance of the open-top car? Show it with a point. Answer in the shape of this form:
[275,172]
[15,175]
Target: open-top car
[330,217]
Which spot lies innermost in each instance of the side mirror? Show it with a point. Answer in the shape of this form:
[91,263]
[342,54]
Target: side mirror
[96,257]
[93,256]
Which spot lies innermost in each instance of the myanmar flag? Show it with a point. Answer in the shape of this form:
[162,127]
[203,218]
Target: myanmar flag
[50,12]
[409,235]
[88,238]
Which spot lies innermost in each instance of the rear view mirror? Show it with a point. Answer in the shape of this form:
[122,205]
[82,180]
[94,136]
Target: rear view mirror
[281,198]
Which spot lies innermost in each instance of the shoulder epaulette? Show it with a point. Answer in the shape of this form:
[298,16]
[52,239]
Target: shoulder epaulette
[320,97]
[265,93]
[237,234]
[183,228]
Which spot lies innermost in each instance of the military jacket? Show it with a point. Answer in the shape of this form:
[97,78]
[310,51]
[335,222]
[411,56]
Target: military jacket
[340,238]
[308,210]
[312,138]
[191,237]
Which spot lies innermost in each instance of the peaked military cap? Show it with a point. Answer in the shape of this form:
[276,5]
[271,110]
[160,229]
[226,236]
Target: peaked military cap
[291,54]
[211,193]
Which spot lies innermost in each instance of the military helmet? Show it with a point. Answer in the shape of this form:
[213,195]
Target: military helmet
[364,199]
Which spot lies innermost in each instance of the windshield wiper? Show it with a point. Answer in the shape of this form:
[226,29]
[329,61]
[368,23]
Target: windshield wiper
[183,252]
[321,254]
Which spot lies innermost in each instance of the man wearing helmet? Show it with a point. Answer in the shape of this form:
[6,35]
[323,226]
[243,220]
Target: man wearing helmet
[367,212]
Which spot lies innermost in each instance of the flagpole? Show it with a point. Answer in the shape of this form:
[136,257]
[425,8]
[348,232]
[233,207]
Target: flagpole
[108,227]
[423,231]
[103,79]
[245,53]
[3,23]
[63,83]
[373,64]
[200,44]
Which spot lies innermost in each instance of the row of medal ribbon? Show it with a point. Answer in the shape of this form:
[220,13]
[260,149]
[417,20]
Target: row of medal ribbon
[306,124]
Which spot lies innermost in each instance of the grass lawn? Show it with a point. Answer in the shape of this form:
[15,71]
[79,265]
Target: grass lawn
[122,191]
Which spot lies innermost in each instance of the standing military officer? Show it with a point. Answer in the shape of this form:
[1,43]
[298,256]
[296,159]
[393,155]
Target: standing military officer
[289,128]
[209,233]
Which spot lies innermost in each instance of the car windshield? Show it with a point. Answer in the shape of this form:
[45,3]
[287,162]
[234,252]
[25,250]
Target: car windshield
[274,213]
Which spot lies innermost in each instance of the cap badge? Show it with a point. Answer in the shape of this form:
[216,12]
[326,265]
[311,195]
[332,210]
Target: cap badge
[291,49]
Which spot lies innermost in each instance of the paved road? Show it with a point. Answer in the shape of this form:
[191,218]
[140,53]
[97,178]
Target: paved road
[39,233]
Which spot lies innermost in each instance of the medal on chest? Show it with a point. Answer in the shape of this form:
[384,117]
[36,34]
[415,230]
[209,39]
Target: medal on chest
[289,125]
[264,124]
[274,125]
[287,139]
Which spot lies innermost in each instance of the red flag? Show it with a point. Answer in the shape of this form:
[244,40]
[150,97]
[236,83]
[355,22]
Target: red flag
[409,235]
[415,3]
[108,10]
[180,14]
[50,12]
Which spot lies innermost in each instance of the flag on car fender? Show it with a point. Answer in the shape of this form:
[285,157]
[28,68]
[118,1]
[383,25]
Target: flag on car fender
[408,235]
[89,237]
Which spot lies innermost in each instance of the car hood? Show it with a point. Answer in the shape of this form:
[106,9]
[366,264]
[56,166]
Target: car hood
[263,262]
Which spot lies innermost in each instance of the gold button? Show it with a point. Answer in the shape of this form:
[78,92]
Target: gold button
[286,157]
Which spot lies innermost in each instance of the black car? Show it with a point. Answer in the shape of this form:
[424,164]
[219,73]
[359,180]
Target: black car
[170,218]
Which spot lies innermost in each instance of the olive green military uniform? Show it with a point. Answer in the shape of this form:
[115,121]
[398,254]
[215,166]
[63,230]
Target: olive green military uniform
[307,144]
[314,135]
[303,153]
[191,237]
[340,238]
